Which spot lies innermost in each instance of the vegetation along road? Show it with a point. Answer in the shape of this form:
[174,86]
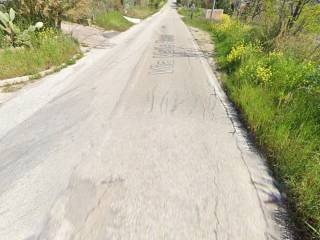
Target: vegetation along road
[138,140]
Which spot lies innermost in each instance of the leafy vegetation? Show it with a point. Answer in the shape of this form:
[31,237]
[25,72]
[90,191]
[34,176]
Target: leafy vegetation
[12,35]
[271,62]
[86,11]
[51,12]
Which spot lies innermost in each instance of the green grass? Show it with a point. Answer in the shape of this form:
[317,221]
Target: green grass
[279,97]
[50,49]
[140,12]
[112,21]
[197,21]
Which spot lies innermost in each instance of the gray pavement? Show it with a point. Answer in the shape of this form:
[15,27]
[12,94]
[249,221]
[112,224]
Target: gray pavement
[88,36]
[135,141]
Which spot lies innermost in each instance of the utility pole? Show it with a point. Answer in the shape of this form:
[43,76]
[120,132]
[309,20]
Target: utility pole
[213,6]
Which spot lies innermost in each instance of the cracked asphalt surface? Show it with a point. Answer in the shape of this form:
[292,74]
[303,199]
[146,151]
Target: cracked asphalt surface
[135,141]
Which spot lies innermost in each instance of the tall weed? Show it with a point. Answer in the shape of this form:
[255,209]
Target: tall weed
[279,93]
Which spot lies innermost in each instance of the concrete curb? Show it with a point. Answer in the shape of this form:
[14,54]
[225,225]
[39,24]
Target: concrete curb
[16,80]
[133,20]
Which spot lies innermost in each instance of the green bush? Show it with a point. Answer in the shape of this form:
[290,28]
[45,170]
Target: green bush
[275,70]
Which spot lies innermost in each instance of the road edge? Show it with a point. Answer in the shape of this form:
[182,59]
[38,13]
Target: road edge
[270,198]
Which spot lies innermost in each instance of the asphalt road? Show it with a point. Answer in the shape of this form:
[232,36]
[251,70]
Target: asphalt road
[135,141]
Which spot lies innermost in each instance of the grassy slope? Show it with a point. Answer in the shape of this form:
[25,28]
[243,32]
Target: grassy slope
[140,12]
[289,132]
[51,51]
[112,21]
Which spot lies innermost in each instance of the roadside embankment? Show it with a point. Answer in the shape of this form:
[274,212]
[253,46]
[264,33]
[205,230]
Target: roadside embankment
[50,48]
[278,95]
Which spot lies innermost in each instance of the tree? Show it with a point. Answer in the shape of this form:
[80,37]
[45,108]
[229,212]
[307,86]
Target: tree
[280,17]
[296,8]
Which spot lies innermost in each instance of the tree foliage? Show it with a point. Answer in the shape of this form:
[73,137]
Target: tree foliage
[49,11]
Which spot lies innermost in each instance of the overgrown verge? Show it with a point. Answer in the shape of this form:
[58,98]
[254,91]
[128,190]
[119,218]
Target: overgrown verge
[27,49]
[108,14]
[112,20]
[140,12]
[278,91]
[144,11]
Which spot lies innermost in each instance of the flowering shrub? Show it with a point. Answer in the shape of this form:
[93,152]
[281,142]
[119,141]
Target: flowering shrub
[257,73]
[236,53]
[253,65]
[47,33]
[263,74]
[224,25]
